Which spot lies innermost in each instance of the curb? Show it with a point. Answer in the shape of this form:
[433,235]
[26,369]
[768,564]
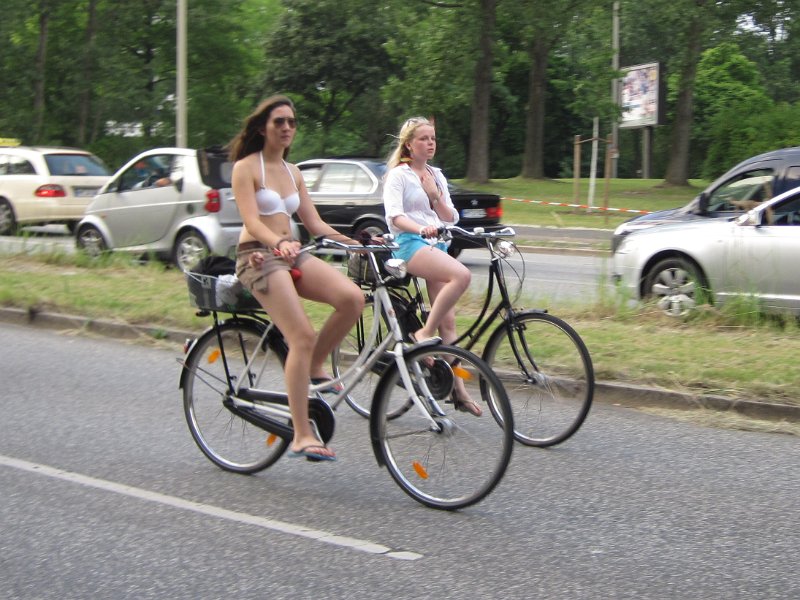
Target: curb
[628,395]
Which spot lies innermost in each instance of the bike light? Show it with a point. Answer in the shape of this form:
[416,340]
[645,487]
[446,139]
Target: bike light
[396,267]
[504,248]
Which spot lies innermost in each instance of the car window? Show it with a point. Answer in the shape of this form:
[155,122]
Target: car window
[344,178]
[743,192]
[215,168]
[792,178]
[74,164]
[310,176]
[17,165]
[147,173]
[785,213]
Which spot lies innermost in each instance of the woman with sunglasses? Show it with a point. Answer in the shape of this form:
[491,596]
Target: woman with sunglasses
[417,203]
[268,191]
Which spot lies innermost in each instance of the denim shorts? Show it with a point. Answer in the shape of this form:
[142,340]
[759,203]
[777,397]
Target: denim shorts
[411,242]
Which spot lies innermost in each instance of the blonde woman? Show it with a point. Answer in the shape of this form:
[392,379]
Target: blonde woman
[417,203]
[268,192]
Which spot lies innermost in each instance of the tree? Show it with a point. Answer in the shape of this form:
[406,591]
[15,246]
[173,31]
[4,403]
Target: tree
[328,53]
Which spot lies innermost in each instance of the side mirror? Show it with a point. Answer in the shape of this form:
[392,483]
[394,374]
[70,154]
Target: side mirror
[751,218]
[702,203]
[178,183]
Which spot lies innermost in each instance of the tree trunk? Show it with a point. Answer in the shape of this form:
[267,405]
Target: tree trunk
[478,162]
[39,73]
[678,166]
[85,100]
[533,153]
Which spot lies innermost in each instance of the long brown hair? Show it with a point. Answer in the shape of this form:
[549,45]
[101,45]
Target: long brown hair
[251,138]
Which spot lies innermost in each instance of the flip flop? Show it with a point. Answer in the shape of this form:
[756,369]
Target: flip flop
[334,388]
[306,451]
[466,406]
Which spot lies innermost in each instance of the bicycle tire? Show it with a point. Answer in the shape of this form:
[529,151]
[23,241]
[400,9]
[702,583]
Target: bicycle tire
[343,356]
[548,374]
[227,440]
[462,462]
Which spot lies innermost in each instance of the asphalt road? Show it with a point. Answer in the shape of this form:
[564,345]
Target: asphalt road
[104,495]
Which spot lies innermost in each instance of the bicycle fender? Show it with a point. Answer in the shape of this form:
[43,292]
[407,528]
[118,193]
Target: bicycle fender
[208,331]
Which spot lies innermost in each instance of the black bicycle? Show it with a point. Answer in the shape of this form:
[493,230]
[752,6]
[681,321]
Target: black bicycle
[542,361]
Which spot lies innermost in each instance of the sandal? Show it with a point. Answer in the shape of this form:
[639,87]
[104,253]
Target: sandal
[466,405]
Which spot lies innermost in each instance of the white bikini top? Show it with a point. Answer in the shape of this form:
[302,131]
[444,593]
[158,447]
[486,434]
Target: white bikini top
[270,203]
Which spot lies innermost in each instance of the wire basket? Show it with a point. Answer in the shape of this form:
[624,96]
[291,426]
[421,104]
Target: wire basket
[225,293]
[360,270]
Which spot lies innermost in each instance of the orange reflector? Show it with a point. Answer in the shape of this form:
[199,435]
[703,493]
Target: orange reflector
[420,470]
[271,439]
[462,373]
[213,355]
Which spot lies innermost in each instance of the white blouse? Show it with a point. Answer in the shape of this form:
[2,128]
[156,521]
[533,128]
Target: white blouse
[403,195]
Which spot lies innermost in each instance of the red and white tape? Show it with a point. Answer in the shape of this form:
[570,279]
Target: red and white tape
[586,206]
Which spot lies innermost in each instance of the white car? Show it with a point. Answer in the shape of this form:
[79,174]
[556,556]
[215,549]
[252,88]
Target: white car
[682,264]
[172,203]
[40,185]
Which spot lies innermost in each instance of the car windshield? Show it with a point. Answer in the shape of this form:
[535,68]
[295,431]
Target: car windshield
[74,164]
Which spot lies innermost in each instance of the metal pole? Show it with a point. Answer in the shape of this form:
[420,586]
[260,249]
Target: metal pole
[615,87]
[576,170]
[180,84]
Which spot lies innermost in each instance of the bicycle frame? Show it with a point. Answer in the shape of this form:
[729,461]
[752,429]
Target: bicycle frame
[275,405]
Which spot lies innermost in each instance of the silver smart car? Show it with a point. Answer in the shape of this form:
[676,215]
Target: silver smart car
[174,204]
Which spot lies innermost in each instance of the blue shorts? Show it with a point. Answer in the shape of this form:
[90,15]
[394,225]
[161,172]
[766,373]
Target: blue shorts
[411,242]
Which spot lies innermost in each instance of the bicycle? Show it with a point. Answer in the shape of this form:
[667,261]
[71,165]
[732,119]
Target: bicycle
[442,458]
[542,361]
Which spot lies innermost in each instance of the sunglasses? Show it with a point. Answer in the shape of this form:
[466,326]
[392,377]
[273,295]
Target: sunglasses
[281,121]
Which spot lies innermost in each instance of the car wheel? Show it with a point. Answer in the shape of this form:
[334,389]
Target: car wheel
[676,284]
[190,248]
[90,241]
[8,222]
[373,227]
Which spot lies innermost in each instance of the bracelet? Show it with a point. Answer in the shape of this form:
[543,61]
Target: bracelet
[277,245]
[421,229]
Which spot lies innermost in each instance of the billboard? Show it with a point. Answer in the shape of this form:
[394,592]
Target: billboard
[640,96]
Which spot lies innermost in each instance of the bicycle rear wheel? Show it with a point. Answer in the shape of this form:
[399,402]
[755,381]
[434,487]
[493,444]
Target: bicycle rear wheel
[460,459]
[226,439]
[548,375]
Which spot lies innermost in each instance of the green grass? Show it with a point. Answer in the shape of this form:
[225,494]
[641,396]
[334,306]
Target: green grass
[631,194]
[714,352]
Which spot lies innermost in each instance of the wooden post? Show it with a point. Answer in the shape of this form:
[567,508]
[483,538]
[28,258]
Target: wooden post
[609,166]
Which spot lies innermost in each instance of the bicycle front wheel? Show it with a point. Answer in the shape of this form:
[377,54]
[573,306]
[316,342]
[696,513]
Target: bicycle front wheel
[455,458]
[226,439]
[548,375]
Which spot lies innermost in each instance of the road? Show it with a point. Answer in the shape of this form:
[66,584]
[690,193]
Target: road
[104,495]
[547,277]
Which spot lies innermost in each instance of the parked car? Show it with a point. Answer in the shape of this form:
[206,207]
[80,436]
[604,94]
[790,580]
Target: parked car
[683,263]
[744,186]
[40,185]
[348,194]
[172,203]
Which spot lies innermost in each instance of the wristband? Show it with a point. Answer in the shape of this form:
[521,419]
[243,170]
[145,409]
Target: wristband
[280,241]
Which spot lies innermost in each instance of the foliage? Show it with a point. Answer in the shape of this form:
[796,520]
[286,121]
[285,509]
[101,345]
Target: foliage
[102,74]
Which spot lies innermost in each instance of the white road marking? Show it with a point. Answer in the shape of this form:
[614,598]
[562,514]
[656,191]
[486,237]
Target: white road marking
[213,511]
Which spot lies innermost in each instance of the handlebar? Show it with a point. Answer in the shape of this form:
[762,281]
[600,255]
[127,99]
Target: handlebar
[323,242]
[478,232]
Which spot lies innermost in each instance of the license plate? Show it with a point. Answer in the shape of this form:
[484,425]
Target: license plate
[84,192]
[473,213]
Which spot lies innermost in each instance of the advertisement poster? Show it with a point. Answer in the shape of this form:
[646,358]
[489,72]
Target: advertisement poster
[640,96]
